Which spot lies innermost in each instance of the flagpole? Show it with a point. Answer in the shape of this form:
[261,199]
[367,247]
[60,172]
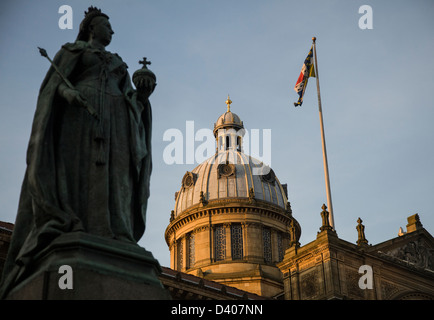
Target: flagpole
[324,149]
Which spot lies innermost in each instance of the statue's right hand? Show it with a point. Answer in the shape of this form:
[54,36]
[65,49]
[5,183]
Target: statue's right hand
[73,97]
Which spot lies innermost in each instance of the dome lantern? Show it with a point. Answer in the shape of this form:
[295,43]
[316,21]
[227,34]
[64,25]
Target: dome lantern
[229,130]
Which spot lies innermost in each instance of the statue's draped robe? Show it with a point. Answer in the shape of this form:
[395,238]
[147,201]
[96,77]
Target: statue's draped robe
[64,189]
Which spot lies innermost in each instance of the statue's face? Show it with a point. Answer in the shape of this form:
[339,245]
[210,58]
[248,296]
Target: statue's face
[102,30]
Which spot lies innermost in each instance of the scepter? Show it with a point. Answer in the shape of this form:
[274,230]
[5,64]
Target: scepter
[88,107]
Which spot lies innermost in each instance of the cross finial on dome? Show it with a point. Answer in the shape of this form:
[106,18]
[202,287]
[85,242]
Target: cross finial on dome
[228,102]
[144,61]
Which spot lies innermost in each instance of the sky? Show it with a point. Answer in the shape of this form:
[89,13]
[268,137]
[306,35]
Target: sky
[376,92]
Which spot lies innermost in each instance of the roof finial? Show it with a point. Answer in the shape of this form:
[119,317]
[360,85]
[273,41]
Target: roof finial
[361,233]
[228,102]
[325,219]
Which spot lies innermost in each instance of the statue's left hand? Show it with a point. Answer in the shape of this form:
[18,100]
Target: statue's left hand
[145,86]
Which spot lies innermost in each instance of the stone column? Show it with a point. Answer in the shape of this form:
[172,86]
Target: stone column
[203,245]
[254,244]
[184,253]
[274,246]
[245,249]
[172,249]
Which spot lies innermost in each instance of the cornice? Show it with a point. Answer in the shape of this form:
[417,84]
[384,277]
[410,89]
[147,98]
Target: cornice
[229,207]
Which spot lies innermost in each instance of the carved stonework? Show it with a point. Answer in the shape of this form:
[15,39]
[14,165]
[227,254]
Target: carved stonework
[252,196]
[225,170]
[189,179]
[293,241]
[270,177]
[202,199]
[414,296]
[325,219]
[201,229]
[415,253]
[285,189]
[388,290]
[309,285]
[352,280]
[253,225]
[361,240]
[288,209]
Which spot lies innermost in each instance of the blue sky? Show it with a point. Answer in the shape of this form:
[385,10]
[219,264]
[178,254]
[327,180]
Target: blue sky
[376,90]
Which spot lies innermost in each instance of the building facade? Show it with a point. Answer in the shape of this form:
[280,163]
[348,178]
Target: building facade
[232,221]
[232,224]
[232,236]
[401,268]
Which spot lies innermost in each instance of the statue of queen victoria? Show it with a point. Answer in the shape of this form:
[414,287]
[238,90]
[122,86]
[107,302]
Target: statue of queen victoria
[89,154]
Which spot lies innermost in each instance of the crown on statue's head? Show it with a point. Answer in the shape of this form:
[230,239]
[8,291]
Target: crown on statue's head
[92,9]
[91,13]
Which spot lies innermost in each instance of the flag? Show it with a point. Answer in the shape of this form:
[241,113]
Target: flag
[307,71]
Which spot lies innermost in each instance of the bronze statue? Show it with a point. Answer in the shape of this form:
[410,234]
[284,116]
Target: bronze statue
[85,172]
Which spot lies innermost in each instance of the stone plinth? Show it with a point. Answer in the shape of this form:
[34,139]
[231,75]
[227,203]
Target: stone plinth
[102,269]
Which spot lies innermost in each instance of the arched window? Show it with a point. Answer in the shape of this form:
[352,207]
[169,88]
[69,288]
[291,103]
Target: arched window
[227,142]
[179,254]
[191,249]
[237,241]
[266,238]
[280,249]
[219,243]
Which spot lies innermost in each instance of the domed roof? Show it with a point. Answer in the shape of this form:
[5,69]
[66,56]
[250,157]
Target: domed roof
[228,120]
[229,174]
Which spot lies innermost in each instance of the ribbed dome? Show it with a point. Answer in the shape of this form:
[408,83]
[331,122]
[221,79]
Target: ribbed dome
[228,120]
[232,221]
[229,174]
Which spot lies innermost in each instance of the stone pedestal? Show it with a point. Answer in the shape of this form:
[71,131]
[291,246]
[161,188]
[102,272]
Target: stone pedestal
[102,269]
